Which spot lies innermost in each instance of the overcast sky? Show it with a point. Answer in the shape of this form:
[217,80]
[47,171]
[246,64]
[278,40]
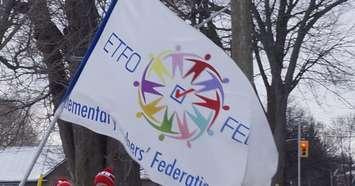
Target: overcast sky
[328,106]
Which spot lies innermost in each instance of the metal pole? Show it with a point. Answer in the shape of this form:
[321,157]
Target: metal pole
[350,158]
[299,155]
[41,145]
[331,177]
[212,16]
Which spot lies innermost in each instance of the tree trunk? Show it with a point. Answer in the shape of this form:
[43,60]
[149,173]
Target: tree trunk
[276,112]
[89,147]
[85,150]
[241,37]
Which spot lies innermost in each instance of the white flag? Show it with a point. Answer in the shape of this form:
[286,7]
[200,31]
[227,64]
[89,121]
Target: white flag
[181,107]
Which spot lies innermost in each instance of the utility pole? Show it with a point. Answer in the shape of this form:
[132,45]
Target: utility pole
[350,156]
[241,37]
[331,178]
[299,155]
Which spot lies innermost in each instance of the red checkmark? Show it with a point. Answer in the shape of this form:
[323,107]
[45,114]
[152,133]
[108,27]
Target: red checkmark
[178,94]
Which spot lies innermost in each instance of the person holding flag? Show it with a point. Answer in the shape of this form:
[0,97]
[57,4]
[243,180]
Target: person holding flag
[105,178]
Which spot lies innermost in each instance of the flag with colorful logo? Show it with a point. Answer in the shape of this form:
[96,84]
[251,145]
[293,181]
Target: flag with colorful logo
[179,104]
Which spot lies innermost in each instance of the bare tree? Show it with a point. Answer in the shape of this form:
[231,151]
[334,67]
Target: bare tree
[296,40]
[16,119]
[197,11]
[41,41]
[293,41]
[15,126]
[342,132]
[323,158]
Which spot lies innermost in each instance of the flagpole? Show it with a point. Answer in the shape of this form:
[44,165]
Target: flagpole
[41,145]
[212,16]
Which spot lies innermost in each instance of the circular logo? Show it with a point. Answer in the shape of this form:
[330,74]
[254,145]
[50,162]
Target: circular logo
[181,95]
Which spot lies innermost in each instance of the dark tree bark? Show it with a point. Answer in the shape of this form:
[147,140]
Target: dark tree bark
[276,112]
[283,30]
[89,148]
[86,152]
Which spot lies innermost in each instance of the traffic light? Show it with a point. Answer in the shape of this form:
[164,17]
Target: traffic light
[304,148]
